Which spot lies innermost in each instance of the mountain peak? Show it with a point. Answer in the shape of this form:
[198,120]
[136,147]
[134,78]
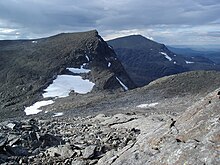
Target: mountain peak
[132,41]
[146,60]
[39,63]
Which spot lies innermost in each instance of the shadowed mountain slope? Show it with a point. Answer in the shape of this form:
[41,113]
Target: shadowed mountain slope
[146,60]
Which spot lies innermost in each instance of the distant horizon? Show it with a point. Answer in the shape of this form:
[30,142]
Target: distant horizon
[199,47]
[179,45]
[182,45]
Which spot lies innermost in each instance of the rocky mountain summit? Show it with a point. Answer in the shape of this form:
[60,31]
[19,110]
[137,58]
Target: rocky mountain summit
[28,67]
[146,60]
[133,139]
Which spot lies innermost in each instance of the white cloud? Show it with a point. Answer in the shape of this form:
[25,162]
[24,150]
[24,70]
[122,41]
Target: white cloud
[7,31]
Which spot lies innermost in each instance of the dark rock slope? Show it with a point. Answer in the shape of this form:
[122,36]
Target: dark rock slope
[146,60]
[29,66]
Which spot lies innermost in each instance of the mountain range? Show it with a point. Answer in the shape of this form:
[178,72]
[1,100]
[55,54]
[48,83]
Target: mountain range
[146,60]
[75,99]
[208,53]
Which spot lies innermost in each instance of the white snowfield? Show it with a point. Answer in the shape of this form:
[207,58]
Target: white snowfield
[35,108]
[61,87]
[189,62]
[166,56]
[64,84]
[122,84]
[147,105]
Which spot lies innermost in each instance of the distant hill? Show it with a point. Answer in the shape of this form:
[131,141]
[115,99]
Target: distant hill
[146,60]
[189,52]
[27,67]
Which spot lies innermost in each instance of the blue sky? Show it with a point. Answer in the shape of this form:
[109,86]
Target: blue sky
[174,22]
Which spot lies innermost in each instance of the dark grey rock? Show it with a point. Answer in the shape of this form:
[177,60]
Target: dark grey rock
[17,151]
[3,158]
[3,141]
[49,140]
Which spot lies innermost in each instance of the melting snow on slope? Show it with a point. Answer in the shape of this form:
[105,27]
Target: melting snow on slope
[64,84]
[61,87]
[147,105]
[79,70]
[166,56]
[189,62]
[34,109]
[58,114]
[87,57]
[110,47]
[122,84]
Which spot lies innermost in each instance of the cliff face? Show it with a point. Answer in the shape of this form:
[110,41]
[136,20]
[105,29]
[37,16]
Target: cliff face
[27,67]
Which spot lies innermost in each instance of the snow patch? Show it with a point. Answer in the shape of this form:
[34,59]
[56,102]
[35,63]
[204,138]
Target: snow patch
[87,57]
[189,62]
[150,38]
[109,64]
[58,114]
[110,47]
[147,105]
[64,84]
[61,87]
[174,62]
[79,70]
[34,109]
[166,56]
[34,42]
[122,84]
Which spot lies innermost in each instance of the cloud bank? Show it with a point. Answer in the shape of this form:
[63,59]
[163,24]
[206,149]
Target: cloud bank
[170,21]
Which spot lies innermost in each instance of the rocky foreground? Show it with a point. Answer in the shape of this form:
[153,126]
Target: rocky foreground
[191,138]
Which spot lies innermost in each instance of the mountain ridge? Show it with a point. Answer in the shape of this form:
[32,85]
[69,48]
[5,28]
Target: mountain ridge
[147,60]
[29,66]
